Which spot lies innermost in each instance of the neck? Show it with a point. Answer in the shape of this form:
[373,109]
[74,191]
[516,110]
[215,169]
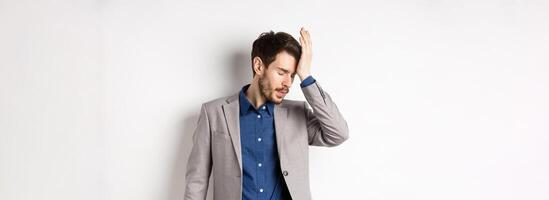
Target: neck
[253,94]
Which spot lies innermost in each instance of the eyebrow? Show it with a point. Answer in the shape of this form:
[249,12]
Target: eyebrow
[284,70]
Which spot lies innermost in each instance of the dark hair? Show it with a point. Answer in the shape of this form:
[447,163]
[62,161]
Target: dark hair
[269,44]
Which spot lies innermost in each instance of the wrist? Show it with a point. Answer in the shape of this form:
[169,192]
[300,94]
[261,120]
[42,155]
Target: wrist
[303,75]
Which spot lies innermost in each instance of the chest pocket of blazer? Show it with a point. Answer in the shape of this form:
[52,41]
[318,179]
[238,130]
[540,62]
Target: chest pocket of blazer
[222,148]
[220,136]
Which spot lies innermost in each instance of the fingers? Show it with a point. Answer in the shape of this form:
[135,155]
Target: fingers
[304,35]
[305,38]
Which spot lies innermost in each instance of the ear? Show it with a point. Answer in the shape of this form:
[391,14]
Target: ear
[258,66]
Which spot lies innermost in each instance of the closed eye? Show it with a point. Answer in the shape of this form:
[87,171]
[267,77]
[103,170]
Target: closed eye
[282,71]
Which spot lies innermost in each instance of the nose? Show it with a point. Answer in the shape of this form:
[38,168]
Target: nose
[287,82]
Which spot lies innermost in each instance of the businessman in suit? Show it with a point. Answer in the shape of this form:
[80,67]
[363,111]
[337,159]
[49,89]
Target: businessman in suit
[255,142]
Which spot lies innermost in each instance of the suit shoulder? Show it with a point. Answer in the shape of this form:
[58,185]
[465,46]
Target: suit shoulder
[217,102]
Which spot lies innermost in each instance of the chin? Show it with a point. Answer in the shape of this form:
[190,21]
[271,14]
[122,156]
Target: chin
[277,100]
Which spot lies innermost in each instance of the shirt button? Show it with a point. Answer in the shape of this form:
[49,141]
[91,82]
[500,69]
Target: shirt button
[259,164]
[263,107]
[261,190]
[259,139]
[258,116]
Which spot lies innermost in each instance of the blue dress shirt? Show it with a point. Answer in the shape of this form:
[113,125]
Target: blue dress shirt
[262,178]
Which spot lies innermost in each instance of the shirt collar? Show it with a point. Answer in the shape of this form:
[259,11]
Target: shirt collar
[246,106]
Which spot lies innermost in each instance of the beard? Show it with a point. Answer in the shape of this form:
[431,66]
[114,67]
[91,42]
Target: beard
[267,91]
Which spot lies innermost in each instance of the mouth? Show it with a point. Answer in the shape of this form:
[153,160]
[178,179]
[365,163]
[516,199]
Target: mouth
[282,93]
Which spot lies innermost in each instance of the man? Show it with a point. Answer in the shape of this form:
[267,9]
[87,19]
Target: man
[255,142]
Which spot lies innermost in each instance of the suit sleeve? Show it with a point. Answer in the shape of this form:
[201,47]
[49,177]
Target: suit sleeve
[199,164]
[325,124]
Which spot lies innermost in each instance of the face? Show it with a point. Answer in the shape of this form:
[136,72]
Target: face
[276,80]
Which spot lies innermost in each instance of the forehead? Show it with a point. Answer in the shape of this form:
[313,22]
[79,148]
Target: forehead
[284,61]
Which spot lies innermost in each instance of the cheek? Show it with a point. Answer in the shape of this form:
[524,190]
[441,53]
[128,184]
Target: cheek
[270,83]
[277,82]
[277,79]
[274,80]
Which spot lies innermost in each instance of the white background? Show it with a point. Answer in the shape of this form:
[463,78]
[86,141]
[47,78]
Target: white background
[444,99]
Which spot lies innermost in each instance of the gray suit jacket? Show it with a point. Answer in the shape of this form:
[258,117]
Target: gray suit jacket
[216,143]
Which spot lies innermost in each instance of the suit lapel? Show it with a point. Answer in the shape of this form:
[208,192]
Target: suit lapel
[280,117]
[232,117]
